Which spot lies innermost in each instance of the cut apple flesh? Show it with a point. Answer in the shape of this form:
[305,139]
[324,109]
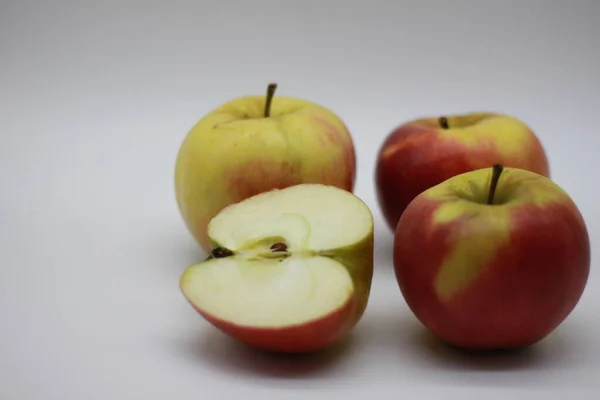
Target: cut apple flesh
[308,216]
[269,293]
[275,264]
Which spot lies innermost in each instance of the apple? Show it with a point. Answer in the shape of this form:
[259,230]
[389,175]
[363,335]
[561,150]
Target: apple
[424,152]
[253,144]
[492,259]
[289,270]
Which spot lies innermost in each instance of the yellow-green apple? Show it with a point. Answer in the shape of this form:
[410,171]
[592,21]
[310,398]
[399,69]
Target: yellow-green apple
[424,152]
[492,259]
[289,269]
[253,144]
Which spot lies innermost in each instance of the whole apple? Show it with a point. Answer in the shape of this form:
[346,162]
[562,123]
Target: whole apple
[253,144]
[422,153]
[493,258]
[290,270]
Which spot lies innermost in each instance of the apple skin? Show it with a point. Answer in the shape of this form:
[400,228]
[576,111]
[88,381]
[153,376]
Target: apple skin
[317,334]
[420,154]
[492,277]
[233,153]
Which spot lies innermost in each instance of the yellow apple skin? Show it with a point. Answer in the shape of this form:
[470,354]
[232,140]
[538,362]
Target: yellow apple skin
[234,153]
[421,153]
[490,277]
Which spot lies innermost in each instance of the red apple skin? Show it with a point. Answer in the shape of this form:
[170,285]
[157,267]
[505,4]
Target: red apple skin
[420,154]
[311,336]
[531,282]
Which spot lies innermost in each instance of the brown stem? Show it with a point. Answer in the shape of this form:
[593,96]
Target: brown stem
[496,172]
[270,93]
[443,121]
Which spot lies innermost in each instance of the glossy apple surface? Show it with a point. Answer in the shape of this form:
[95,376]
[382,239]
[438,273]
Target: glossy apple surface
[236,151]
[422,153]
[492,276]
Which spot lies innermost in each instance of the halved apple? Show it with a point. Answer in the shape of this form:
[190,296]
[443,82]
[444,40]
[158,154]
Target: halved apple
[290,270]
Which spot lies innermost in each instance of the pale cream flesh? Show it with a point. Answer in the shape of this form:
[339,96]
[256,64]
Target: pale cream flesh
[259,287]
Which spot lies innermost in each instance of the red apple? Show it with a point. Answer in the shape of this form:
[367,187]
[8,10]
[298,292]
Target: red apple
[492,263]
[422,153]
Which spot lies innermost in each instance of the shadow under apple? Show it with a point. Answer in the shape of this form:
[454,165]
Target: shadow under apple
[455,358]
[384,249]
[394,330]
[218,350]
[552,353]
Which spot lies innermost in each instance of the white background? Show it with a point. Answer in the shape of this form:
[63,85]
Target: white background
[95,98]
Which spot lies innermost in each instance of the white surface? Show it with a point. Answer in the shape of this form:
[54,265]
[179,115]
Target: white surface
[95,99]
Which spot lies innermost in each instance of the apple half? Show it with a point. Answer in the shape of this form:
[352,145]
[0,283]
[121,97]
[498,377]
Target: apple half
[290,270]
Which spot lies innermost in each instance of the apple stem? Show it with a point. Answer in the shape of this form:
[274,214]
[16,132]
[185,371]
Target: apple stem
[221,252]
[496,172]
[443,121]
[270,93]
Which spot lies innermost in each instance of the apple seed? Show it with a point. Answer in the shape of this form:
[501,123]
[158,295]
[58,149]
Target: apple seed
[277,247]
[221,252]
